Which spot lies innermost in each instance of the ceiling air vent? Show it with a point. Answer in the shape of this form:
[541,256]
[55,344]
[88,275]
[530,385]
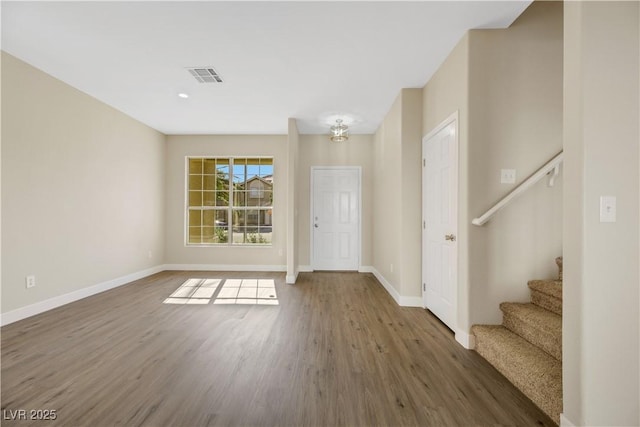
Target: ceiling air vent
[205,74]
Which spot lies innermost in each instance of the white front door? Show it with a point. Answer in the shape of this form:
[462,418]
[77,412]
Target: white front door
[439,212]
[335,218]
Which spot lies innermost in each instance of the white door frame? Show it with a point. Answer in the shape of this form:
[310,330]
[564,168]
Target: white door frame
[311,210]
[453,118]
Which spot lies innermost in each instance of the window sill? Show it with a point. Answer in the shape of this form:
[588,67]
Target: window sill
[217,245]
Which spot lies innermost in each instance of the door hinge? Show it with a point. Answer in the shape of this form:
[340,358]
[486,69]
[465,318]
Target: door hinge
[424,287]
[424,225]
[424,162]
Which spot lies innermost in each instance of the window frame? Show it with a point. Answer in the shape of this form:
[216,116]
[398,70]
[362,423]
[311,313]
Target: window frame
[230,207]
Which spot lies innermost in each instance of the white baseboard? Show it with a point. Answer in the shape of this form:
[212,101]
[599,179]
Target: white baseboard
[42,306]
[401,300]
[290,279]
[60,300]
[385,283]
[223,267]
[411,302]
[466,340]
[564,421]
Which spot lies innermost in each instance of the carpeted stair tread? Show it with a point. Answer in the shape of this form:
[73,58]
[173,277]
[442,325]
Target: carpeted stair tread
[540,327]
[530,369]
[547,294]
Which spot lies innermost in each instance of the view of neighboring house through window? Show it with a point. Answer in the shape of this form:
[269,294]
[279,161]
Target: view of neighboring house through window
[229,201]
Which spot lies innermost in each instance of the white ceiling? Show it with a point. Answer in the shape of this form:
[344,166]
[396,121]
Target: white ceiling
[309,60]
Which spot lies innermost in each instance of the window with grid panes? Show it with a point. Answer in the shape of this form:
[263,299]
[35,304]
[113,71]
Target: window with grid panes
[229,200]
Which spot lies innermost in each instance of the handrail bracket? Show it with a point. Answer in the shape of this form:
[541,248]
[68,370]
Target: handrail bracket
[551,168]
[553,175]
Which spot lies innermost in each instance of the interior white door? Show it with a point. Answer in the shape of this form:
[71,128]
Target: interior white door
[335,218]
[439,210]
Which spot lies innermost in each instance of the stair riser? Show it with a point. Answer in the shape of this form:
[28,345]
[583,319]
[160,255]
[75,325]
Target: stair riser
[547,302]
[546,395]
[546,341]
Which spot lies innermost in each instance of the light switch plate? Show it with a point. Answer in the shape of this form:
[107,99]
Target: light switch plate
[607,209]
[507,176]
[30,281]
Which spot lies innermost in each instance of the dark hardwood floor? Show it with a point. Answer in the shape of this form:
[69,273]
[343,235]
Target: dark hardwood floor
[336,350]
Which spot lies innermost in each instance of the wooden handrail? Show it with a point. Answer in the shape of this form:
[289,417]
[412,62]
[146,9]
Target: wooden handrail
[537,176]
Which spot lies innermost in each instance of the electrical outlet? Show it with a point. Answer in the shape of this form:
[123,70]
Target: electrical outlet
[391,268]
[30,281]
[150,254]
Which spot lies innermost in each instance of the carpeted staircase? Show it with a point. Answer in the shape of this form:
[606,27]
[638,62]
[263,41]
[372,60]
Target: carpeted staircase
[527,347]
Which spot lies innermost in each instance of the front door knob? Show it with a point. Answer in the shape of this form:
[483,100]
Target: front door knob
[451,237]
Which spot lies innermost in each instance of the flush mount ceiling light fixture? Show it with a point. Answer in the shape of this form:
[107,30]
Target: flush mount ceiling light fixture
[339,132]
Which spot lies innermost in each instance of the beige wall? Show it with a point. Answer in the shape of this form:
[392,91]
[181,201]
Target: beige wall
[515,122]
[448,91]
[572,217]
[506,86]
[1,56]
[601,297]
[387,197]
[411,206]
[82,189]
[178,148]
[317,150]
[293,147]
[445,93]
[397,197]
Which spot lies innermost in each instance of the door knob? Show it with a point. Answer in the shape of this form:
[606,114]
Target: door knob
[451,237]
[315,225]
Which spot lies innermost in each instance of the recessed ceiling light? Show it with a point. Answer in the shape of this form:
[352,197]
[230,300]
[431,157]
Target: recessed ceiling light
[183,95]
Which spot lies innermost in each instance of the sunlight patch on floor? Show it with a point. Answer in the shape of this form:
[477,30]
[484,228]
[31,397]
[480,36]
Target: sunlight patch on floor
[233,291]
[248,291]
[194,291]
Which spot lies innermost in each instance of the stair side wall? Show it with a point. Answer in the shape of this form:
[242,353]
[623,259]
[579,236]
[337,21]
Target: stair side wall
[511,71]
